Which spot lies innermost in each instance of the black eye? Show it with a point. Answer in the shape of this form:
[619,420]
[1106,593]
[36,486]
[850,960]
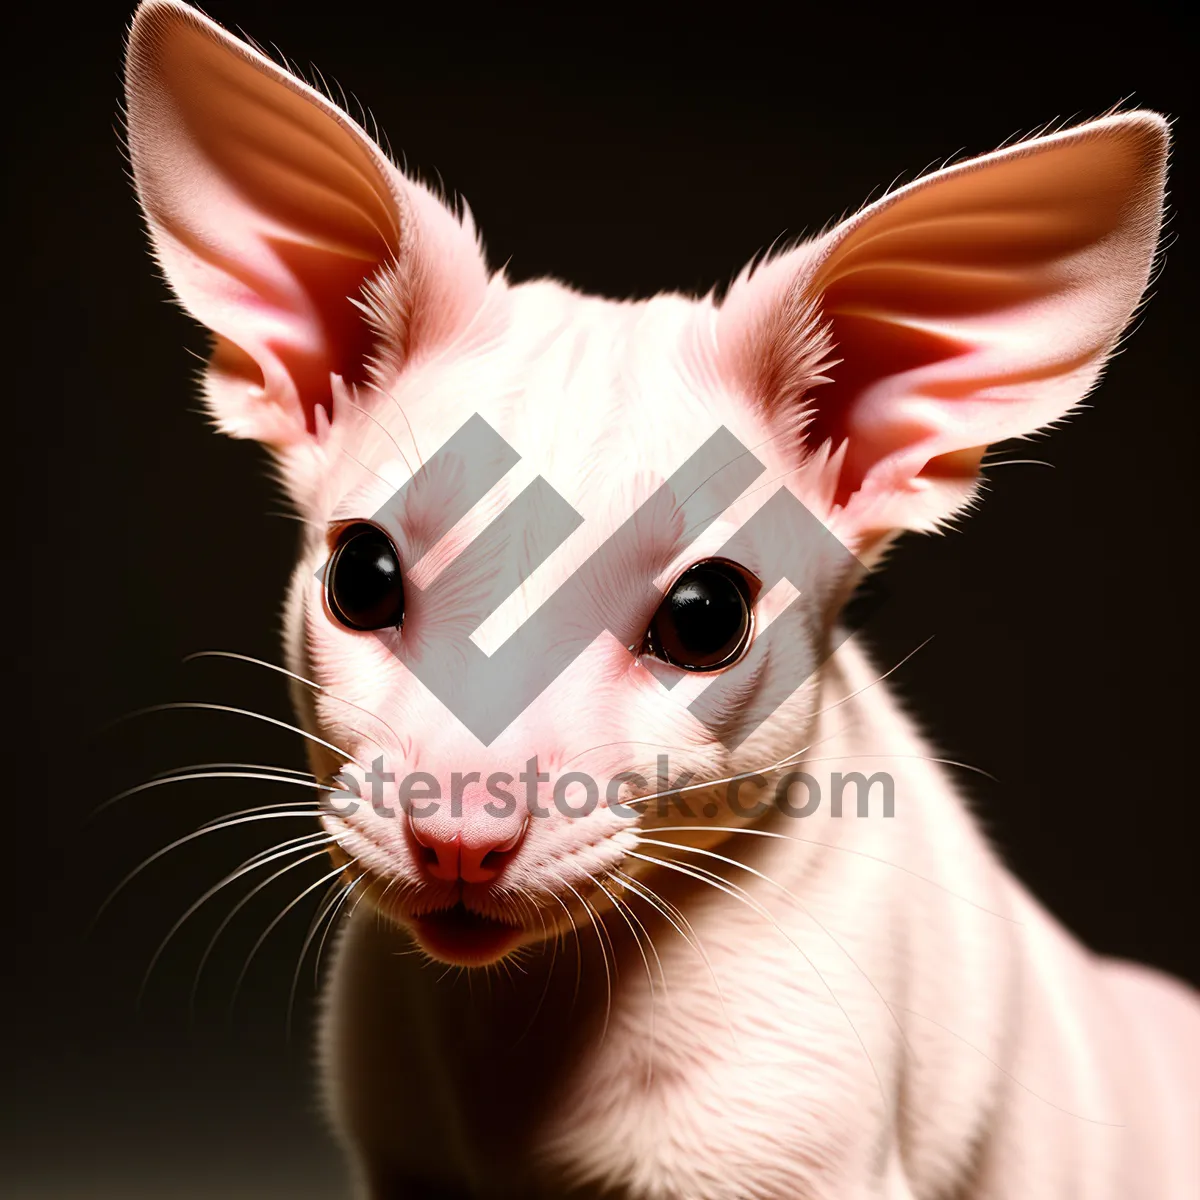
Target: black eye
[704,622]
[363,586]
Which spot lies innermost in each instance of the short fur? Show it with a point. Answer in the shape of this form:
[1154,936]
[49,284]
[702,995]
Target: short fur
[833,1008]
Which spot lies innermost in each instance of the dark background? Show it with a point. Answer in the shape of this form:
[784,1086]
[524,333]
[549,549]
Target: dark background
[625,153]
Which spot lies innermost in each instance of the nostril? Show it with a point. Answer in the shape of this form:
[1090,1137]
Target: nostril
[484,864]
[443,854]
[497,860]
[438,857]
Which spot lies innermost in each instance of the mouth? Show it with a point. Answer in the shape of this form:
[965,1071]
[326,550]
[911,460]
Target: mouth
[455,935]
[460,937]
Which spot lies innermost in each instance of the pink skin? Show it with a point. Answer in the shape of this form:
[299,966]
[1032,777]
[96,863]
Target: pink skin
[356,326]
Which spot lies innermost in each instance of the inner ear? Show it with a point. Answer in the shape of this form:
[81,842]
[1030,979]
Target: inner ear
[283,228]
[867,347]
[972,306]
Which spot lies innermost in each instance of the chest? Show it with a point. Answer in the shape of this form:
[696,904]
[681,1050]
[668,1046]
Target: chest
[735,1044]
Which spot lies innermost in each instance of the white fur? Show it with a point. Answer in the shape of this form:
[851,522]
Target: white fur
[835,1007]
[1011,1062]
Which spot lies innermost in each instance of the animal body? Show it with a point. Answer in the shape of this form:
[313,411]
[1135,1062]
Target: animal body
[676,989]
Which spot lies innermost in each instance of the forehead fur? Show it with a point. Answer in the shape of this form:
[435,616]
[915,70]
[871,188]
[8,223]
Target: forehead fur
[604,399]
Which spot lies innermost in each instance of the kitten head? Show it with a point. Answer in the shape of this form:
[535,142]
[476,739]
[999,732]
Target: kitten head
[551,539]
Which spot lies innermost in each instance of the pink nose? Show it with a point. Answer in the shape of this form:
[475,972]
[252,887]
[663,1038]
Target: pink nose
[473,855]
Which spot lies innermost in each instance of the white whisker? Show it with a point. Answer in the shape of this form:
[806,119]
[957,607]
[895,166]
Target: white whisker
[325,909]
[227,920]
[164,780]
[386,432]
[791,837]
[183,841]
[230,766]
[251,864]
[403,414]
[587,908]
[685,929]
[279,807]
[312,887]
[245,712]
[733,862]
[739,893]
[316,687]
[619,907]
[333,920]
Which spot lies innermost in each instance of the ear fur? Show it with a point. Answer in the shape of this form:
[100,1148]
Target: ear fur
[977,304]
[273,216]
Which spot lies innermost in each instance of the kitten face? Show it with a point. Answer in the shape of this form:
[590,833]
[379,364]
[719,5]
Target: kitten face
[602,400]
[357,329]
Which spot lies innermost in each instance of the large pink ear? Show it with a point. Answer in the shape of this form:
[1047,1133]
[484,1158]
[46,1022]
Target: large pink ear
[270,211]
[974,305]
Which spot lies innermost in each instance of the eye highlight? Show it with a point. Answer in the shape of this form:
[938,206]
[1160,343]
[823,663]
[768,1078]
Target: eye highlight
[363,584]
[705,621]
